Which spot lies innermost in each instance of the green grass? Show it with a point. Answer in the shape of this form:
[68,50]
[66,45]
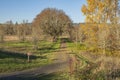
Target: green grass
[17,64]
[13,55]
[76,47]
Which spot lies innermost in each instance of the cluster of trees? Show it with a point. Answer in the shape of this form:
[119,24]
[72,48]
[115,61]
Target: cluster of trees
[50,21]
[102,28]
[20,30]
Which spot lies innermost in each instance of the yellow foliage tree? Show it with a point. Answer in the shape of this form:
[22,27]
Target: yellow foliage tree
[99,13]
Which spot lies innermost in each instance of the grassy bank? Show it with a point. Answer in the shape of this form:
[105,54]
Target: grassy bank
[99,66]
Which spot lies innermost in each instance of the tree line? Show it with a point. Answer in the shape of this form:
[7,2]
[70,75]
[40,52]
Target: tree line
[20,30]
[51,21]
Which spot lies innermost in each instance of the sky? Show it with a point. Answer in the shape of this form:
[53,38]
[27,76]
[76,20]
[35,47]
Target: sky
[19,10]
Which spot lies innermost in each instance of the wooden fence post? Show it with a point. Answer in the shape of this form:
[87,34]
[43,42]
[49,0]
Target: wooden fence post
[28,55]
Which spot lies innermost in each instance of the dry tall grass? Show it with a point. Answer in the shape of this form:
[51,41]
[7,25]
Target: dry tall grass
[101,68]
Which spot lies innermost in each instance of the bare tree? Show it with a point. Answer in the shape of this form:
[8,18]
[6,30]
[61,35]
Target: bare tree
[22,30]
[9,28]
[36,35]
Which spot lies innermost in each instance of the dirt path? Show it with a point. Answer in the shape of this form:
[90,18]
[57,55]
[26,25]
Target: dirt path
[61,55]
[60,63]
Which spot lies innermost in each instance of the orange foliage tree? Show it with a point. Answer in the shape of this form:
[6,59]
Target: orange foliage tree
[52,22]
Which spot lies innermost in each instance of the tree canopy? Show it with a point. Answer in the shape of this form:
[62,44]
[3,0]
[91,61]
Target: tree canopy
[53,22]
[100,11]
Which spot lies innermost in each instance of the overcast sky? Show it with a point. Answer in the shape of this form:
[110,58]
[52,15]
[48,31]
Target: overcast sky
[19,10]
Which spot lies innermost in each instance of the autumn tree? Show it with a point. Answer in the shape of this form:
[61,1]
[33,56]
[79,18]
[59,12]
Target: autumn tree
[36,35]
[100,11]
[103,13]
[53,22]
[89,35]
[22,30]
[72,32]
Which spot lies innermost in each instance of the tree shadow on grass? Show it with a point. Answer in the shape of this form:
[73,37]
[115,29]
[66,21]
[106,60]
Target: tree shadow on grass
[52,48]
[13,58]
[8,54]
[48,49]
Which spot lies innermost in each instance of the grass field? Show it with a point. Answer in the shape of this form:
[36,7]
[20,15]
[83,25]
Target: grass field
[89,66]
[13,55]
